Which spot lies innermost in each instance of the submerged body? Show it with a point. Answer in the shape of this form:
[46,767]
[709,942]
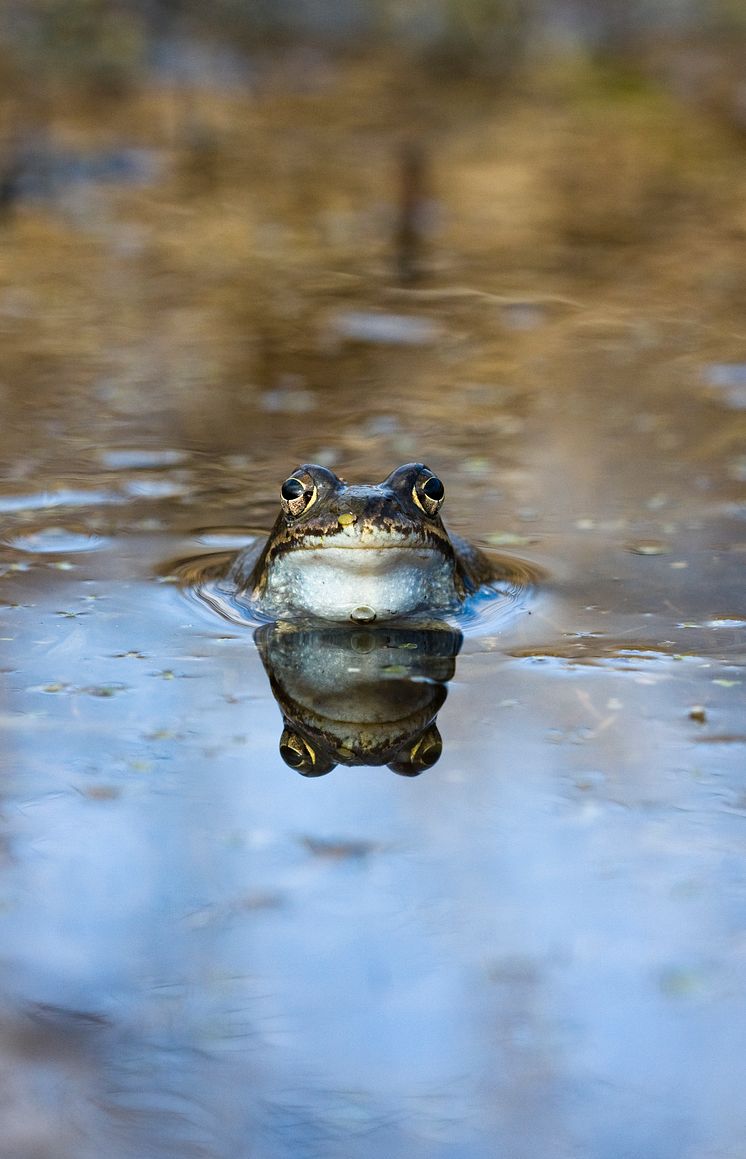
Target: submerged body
[360,552]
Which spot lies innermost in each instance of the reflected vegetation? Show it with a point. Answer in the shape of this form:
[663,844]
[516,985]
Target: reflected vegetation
[357,696]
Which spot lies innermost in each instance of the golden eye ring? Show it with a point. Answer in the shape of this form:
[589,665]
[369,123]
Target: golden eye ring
[423,754]
[297,494]
[300,755]
[429,493]
[297,752]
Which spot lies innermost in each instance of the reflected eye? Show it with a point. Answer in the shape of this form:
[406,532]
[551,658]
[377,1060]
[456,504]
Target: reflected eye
[297,494]
[300,755]
[429,493]
[423,754]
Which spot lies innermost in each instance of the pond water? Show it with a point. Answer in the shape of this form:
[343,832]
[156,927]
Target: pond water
[536,945]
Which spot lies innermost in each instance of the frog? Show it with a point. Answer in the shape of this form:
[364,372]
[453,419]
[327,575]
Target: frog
[360,552]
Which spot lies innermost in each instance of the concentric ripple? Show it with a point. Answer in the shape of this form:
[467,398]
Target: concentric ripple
[58,540]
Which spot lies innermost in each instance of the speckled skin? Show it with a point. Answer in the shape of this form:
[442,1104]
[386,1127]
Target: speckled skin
[360,546]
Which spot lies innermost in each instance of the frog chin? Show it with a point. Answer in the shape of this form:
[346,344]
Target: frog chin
[336,583]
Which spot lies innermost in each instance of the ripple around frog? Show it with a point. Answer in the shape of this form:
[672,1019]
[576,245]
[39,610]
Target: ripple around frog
[203,579]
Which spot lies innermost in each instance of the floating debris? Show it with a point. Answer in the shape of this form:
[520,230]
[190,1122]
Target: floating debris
[649,547]
[101,792]
[339,850]
[104,691]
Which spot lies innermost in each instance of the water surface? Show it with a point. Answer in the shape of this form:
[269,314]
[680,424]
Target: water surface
[533,947]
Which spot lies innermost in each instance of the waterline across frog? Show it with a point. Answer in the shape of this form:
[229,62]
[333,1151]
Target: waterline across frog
[342,551]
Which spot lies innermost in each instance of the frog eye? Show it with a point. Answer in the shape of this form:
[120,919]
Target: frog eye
[429,493]
[297,494]
[299,754]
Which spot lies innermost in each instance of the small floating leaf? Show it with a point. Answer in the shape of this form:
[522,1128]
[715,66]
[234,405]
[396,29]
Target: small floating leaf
[140,766]
[104,690]
[679,982]
[101,792]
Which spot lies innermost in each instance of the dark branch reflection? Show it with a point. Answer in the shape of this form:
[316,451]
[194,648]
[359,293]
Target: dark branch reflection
[355,696]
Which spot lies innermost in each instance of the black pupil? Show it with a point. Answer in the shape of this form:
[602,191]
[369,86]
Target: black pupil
[430,754]
[434,489]
[292,489]
[291,756]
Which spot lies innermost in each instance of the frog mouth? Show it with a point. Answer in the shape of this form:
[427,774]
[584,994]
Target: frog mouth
[331,550]
[349,543]
[397,545]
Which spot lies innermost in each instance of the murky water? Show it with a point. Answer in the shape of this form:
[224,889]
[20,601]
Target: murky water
[532,942]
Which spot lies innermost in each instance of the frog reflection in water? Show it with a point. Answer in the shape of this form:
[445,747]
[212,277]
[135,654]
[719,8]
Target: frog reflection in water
[359,696]
[360,552]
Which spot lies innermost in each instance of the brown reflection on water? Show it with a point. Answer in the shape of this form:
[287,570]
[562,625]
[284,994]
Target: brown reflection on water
[541,943]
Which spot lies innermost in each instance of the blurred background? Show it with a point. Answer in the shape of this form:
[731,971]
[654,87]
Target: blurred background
[194,198]
[503,237]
